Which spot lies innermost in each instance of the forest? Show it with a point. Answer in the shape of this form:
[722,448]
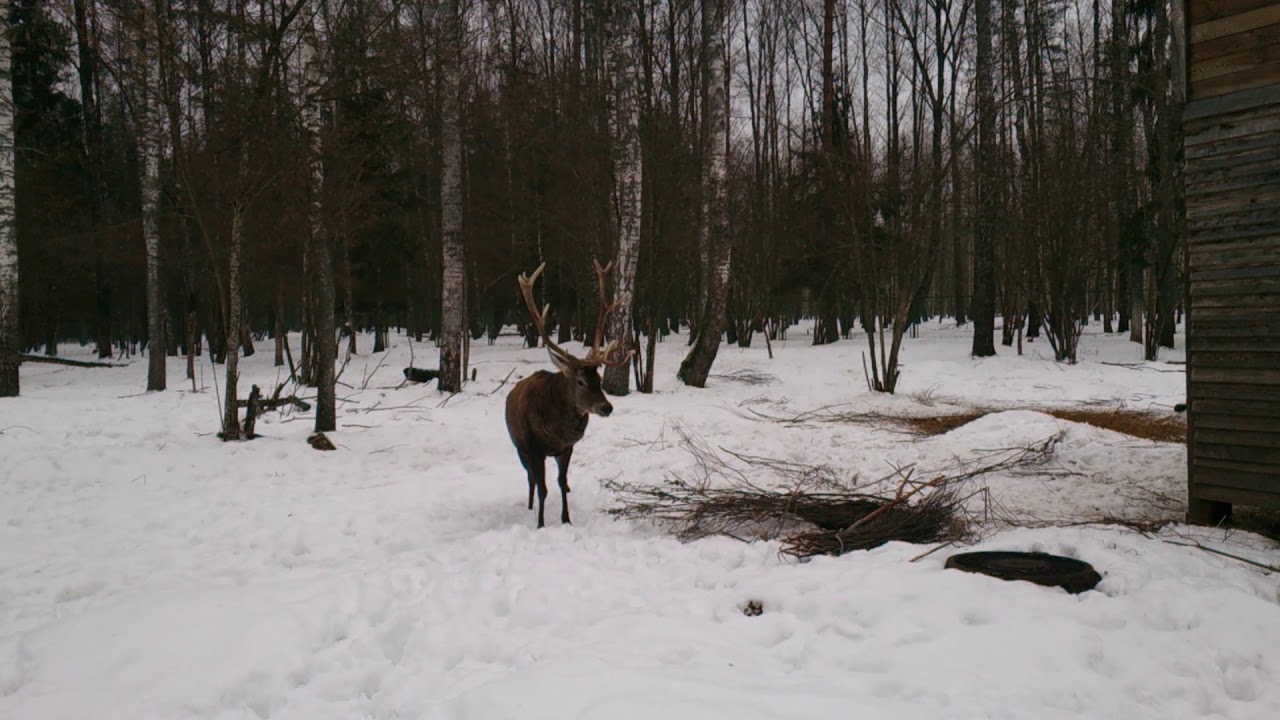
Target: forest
[205,176]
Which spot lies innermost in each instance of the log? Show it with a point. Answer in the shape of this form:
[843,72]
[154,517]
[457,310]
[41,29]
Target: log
[420,375]
[65,361]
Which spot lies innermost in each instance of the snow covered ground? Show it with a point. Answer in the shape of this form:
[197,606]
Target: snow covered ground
[150,572]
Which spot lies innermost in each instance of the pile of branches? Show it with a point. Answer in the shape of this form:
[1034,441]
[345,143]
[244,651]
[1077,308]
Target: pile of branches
[812,509]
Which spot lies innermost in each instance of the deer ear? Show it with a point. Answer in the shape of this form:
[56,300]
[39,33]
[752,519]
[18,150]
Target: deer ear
[561,364]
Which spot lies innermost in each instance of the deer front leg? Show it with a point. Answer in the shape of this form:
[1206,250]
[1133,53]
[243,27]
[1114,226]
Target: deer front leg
[538,478]
[562,462]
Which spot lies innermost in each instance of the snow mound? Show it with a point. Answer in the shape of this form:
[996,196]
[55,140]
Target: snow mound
[1007,428]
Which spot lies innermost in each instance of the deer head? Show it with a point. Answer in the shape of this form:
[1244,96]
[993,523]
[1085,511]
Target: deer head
[582,373]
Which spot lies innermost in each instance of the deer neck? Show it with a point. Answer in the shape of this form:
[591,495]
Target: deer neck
[564,393]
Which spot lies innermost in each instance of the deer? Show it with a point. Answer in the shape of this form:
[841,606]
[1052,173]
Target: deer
[547,412]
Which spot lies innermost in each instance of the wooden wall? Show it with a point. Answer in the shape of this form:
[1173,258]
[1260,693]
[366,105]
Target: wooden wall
[1233,45]
[1232,153]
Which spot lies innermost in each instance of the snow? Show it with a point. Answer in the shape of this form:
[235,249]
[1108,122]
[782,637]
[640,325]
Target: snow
[148,570]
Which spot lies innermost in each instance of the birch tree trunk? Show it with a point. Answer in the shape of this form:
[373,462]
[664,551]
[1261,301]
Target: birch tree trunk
[231,415]
[715,211]
[149,139]
[958,250]
[231,328]
[624,118]
[320,256]
[453,287]
[8,238]
[984,284]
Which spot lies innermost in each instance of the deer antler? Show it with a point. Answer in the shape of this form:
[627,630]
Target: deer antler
[607,356]
[540,318]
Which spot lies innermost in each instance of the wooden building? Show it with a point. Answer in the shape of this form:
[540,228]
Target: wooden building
[1232,151]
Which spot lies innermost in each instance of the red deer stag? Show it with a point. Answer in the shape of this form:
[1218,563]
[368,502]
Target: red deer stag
[547,412]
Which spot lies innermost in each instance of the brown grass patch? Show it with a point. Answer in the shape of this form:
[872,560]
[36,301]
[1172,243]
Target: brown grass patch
[1160,427]
[1157,426]
[938,424]
[1137,423]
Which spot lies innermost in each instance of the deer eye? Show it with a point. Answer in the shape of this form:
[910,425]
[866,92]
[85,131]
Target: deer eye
[582,383]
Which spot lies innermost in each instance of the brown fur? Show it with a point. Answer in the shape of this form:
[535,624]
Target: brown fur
[547,412]
[547,415]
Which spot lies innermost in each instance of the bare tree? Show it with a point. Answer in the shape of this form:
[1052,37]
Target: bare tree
[717,248]
[318,240]
[9,342]
[984,287]
[150,140]
[454,287]
[624,118]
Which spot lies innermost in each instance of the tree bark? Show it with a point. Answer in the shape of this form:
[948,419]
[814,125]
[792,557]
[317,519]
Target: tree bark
[453,288]
[715,212]
[231,417]
[149,139]
[348,299]
[91,140]
[958,250]
[984,287]
[935,147]
[625,68]
[321,264]
[282,335]
[1168,140]
[9,341]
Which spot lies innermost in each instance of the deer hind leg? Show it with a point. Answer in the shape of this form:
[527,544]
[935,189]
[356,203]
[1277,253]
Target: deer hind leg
[562,462]
[527,464]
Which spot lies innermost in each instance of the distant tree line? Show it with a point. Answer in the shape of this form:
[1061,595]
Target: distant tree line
[201,175]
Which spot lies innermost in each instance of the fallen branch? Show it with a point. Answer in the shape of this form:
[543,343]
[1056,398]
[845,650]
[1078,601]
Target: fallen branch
[277,403]
[369,375]
[747,377]
[1185,541]
[501,384]
[1139,366]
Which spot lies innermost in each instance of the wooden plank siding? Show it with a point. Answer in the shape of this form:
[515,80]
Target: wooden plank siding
[1231,149]
[1233,45]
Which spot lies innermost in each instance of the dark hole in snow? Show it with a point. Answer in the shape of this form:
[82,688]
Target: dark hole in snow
[1074,576]
[753,608]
